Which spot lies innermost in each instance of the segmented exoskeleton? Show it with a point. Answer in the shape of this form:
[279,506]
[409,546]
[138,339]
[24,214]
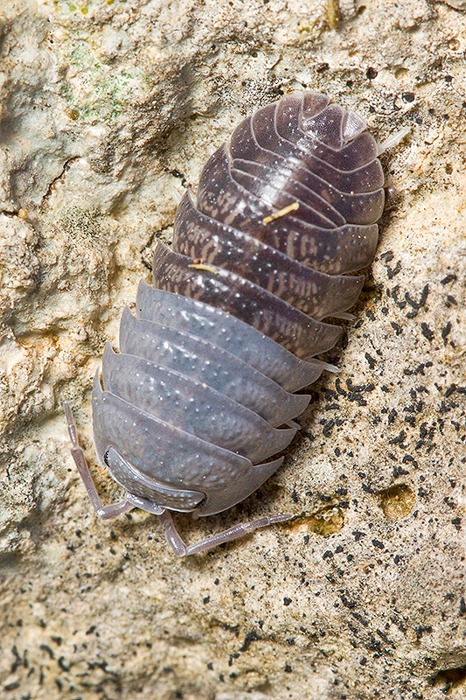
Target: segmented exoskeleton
[190,414]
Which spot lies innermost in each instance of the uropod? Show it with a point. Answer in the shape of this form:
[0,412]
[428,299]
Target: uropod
[192,411]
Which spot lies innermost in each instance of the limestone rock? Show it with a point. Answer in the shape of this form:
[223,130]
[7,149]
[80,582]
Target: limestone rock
[108,110]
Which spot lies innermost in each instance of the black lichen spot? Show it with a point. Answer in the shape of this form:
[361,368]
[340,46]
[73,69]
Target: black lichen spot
[347,603]
[399,471]
[357,616]
[176,173]
[370,360]
[399,439]
[422,299]
[426,331]
[392,271]
[48,650]
[328,427]
[250,637]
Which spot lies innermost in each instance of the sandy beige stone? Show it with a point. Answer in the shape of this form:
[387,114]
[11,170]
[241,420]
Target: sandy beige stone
[108,110]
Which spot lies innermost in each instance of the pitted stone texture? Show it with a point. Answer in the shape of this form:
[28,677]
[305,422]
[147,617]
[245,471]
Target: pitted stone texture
[107,110]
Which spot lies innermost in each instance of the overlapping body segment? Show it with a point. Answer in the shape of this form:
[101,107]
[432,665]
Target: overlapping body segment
[201,394]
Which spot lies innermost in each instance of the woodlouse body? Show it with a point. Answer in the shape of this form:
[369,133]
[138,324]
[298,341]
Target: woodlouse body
[193,409]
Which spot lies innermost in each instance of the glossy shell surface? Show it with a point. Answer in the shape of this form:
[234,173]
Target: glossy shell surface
[192,411]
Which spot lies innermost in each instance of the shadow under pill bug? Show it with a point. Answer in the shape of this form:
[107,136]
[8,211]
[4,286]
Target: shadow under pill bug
[191,412]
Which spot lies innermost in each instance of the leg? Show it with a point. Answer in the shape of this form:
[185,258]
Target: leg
[233,533]
[394,139]
[110,511]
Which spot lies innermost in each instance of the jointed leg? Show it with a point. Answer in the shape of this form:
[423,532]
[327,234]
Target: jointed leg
[110,511]
[394,139]
[233,533]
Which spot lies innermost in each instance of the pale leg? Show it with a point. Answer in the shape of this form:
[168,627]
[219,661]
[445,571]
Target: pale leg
[393,140]
[110,511]
[233,533]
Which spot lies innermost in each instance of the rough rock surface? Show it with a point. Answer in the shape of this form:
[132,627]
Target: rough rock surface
[108,109]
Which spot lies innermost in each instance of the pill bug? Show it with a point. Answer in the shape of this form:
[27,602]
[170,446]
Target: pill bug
[192,411]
